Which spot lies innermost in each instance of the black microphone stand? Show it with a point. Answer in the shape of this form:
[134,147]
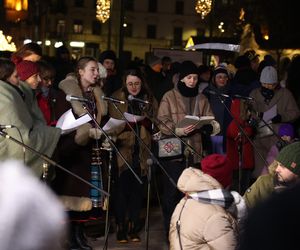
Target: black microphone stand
[107,221]
[145,145]
[50,161]
[112,144]
[149,175]
[155,161]
[240,147]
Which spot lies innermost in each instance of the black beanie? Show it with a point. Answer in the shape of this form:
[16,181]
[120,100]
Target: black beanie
[107,54]
[186,68]
[219,70]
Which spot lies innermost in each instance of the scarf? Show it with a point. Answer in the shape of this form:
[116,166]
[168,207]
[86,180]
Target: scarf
[232,201]
[186,91]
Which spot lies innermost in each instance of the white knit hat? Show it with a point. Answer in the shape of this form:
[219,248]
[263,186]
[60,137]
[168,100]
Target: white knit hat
[269,75]
[31,217]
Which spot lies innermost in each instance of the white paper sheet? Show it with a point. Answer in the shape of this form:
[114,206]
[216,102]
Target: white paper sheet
[67,122]
[133,118]
[112,123]
[270,113]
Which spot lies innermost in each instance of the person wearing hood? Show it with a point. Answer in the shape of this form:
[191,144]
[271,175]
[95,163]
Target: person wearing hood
[184,99]
[273,105]
[207,217]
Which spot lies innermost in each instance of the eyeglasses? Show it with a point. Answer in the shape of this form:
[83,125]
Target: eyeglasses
[135,84]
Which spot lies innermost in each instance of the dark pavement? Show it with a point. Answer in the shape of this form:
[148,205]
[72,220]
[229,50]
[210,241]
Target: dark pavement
[157,240]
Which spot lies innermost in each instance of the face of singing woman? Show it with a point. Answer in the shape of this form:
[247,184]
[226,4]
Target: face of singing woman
[89,74]
[190,80]
[133,85]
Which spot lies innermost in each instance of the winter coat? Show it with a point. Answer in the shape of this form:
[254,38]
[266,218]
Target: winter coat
[14,111]
[238,109]
[202,226]
[286,108]
[126,140]
[261,189]
[76,147]
[32,104]
[173,108]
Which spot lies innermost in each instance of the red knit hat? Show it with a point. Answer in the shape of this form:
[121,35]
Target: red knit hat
[26,69]
[218,166]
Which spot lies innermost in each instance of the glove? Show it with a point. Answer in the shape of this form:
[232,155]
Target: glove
[207,129]
[276,119]
[180,131]
[95,133]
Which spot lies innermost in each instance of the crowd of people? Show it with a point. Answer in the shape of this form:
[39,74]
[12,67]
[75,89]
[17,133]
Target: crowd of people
[212,176]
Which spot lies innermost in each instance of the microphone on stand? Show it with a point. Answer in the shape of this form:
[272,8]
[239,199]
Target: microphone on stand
[247,98]
[211,92]
[110,99]
[71,98]
[132,98]
[6,126]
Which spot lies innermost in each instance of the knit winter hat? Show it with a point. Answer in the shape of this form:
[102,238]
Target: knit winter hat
[218,166]
[251,54]
[107,54]
[187,68]
[220,70]
[269,75]
[26,69]
[153,60]
[289,157]
[286,129]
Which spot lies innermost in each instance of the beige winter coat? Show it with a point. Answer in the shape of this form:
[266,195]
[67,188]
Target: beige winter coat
[172,109]
[202,226]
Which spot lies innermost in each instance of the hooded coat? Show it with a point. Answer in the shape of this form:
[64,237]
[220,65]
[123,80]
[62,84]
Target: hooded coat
[42,138]
[202,226]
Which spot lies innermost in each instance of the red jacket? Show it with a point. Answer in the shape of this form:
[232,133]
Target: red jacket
[233,138]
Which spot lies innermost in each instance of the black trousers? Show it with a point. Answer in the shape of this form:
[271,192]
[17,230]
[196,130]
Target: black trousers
[128,198]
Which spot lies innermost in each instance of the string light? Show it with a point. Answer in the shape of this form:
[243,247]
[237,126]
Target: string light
[102,10]
[203,7]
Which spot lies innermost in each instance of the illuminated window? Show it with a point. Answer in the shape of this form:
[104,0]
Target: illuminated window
[78,26]
[17,5]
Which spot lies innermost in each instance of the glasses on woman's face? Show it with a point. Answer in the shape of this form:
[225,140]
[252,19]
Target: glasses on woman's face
[135,84]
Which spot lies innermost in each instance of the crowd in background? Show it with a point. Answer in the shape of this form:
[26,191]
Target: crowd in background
[225,169]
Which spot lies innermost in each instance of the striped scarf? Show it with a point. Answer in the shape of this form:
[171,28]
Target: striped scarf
[231,201]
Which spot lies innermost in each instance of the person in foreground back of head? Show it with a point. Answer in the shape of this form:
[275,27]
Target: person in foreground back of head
[273,224]
[207,217]
[31,216]
[284,173]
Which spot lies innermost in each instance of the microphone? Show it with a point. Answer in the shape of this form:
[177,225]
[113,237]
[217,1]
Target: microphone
[132,98]
[71,98]
[110,99]
[247,98]
[209,91]
[149,161]
[6,126]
